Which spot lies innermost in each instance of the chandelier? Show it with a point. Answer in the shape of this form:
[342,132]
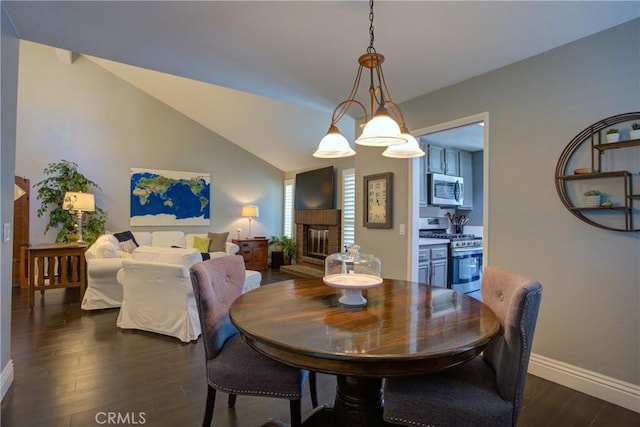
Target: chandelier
[386,127]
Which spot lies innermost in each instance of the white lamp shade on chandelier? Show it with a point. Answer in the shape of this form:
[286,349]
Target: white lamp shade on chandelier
[381,131]
[334,145]
[404,151]
[79,202]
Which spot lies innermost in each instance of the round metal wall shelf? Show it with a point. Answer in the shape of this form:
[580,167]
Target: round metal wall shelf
[593,138]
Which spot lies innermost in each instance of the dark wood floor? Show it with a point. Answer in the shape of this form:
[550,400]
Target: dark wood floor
[76,368]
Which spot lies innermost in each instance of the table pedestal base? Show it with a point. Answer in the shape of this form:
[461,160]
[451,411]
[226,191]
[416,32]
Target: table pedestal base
[358,404]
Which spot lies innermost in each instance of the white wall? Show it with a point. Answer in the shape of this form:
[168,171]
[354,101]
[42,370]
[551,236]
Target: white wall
[590,315]
[82,113]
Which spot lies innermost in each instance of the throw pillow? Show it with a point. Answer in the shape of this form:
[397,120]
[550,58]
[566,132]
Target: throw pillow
[124,236]
[201,243]
[218,242]
[127,246]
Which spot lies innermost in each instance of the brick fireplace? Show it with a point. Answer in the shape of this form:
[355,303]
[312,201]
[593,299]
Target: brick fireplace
[318,234]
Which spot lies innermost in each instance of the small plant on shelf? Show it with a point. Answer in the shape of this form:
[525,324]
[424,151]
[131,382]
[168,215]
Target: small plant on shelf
[613,135]
[635,126]
[635,130]
[592,198]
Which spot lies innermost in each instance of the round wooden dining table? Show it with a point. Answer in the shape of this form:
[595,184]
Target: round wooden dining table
[405,328]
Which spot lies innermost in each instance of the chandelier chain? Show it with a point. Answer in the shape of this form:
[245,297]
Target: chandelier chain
[371,49]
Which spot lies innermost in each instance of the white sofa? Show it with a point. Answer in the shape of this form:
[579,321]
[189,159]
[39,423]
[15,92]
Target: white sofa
[104,260]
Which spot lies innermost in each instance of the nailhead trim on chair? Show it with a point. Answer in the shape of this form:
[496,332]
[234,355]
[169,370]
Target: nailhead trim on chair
[289,396]
[402,420]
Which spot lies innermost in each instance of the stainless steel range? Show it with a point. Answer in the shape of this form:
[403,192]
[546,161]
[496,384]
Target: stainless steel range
[465,255]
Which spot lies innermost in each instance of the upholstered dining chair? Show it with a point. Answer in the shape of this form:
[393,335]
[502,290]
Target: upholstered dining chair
[232,366]
[486,391]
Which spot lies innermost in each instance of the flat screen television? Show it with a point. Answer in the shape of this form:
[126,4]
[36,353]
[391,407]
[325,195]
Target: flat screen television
[315,189]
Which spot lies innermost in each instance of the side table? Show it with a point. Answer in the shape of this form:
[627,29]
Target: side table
[54,266]
[255,252]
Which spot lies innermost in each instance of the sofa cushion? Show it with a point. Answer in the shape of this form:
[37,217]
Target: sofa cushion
[218,242]
[123,236]
[142,237]
[166,239]
[184,257]
[201,243]
[105,246]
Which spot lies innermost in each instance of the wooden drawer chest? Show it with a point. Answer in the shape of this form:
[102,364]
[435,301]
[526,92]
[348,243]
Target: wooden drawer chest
[255,253]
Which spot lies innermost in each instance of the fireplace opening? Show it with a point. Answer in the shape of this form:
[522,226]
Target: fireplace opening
[317,244]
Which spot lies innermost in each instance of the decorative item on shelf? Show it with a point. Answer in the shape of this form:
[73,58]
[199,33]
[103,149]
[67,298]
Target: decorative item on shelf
[250,211]
[582,171]
[387,126]
[607,204]
[352,272]
[592,198]
[238,230]
[635,130]
[613,135]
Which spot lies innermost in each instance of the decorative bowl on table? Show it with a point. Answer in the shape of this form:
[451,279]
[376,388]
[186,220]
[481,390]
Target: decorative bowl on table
[352,272]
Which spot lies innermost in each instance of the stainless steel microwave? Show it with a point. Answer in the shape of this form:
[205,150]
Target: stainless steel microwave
[445,190]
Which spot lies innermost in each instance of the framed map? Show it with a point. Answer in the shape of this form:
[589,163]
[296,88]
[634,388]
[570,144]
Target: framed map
[161,197]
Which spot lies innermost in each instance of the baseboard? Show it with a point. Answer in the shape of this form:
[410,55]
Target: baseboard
[592,383]
[6,378]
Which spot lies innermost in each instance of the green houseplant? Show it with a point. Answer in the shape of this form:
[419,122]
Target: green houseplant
[63,176]
[613,135]
[635,130]
[284,244]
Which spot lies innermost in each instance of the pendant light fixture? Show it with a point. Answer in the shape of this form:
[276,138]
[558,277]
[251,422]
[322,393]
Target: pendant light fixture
[386,127]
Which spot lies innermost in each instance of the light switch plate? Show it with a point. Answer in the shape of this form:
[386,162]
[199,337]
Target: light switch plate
[6,232]
[402,230]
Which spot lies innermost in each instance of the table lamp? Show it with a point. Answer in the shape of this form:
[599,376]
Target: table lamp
[250,211]
[79,203]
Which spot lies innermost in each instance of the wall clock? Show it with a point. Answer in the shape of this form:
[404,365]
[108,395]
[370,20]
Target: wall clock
[378,190]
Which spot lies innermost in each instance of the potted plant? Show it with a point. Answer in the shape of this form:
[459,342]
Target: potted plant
[635,130]
[284,244]
[592,198]
[613,135]
[63,176]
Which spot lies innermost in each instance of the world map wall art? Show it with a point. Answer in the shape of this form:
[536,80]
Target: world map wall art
[160,197]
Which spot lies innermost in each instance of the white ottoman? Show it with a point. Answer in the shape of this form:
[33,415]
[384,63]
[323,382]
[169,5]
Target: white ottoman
[252,280]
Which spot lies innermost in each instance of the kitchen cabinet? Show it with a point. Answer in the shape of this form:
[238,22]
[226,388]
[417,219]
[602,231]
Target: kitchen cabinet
[435,159]
[451,162]
[432,267]
[423,176]
[613,175]
[466,172]
[442,160]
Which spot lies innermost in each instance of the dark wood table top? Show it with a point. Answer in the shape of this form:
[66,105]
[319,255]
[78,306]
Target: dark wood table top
[406,328]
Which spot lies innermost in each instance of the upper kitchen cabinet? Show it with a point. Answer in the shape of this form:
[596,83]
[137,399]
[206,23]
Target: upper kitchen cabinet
[466,172]
[442,160]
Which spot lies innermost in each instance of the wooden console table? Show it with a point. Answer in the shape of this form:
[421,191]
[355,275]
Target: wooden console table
[255,252]
[54,266]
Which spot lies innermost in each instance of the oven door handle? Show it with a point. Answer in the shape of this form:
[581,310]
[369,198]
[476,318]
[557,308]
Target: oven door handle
[458,250]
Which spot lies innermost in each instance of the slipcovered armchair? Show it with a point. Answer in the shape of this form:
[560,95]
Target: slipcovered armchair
[232,366]
[486,391]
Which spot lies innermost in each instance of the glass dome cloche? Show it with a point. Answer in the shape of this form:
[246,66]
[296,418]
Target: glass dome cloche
[352,271]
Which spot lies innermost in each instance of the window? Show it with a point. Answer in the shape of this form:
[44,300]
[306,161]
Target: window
[288,207]
[348,207]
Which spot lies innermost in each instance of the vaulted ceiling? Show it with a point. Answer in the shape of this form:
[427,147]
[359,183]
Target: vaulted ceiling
[266,75]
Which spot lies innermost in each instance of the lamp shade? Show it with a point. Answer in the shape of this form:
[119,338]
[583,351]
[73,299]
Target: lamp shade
[79,202]
[404,151]
[381,131]
[250,211]
[334,145]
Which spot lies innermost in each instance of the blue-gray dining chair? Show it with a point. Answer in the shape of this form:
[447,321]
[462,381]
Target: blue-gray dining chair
[486,391]
[232,366]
